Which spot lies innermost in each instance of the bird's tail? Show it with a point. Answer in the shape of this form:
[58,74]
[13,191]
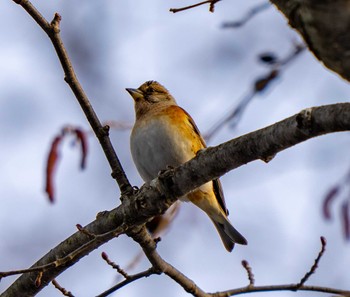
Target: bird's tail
[229,235]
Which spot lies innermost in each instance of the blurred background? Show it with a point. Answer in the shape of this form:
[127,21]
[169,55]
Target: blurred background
[209,70]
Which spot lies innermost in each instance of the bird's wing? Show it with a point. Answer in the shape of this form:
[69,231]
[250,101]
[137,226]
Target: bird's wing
[195,128]
[220,195]
[216,182]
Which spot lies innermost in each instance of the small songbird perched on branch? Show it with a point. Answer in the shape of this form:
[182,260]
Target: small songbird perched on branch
[165,135]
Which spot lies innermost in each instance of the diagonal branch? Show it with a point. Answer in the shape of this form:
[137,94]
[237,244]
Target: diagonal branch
[149,245]
[53,32]
[129,280]
[262,144]
[154,198]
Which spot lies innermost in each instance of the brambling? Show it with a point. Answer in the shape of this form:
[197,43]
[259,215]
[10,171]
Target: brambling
[165,135]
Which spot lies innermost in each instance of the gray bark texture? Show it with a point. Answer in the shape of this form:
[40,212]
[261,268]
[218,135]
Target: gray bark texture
[325,27]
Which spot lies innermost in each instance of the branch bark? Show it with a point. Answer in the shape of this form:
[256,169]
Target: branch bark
[325,27]
[102,132]
[155,197]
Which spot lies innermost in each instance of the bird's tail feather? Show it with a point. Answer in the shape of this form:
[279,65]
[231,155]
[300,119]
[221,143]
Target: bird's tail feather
[229,235]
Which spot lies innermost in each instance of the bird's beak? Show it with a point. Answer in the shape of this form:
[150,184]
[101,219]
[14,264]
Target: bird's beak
[136,94]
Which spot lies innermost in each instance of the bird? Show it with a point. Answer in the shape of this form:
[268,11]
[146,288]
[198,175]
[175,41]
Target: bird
[164,135]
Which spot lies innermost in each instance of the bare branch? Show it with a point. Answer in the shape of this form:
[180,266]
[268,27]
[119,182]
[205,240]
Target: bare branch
[210,2]
[114,265]
[314,266]
[262,144]
[148,244]
[61,289]
[249,270]
[53,32]
[273,288]
[291,287]
[155,198]
[129,280]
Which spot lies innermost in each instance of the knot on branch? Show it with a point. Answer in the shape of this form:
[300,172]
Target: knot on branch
[55,23]
[166,184]
[304,119]
[103,131]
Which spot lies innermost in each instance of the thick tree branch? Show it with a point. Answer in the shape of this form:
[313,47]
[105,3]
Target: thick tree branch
[53,32]
[325,27]
[262,144]
[155,197]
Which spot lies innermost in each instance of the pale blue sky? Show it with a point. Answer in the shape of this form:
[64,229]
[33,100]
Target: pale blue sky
[277,206]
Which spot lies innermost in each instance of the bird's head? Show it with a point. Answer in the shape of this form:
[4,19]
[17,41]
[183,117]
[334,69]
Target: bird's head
[149,95]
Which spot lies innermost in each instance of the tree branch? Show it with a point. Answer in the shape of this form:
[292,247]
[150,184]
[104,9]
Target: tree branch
[148,244]
[53,32]
[155,197]
[130,279]
[325,27]
[290,287]
[210,2]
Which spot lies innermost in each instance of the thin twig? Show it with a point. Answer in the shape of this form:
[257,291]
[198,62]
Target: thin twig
[130,279]
[86,232]
[211,8]
[61,289]
[250,14]
[249,270]
[53,32]
[315,265]
[21,271]
[39,278]
[114,265]
[259,86]
[144,239]
[273,288]
[71,257]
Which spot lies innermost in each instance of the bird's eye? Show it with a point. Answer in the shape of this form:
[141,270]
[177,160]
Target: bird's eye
[150,90]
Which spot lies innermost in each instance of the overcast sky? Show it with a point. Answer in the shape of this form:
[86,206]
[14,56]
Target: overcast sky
[119,44]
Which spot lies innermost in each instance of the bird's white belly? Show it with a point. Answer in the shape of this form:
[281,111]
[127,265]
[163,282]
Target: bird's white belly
[157,146]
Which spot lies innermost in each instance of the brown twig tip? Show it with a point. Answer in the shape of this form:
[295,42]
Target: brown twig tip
[249,270]
[86,232]
[211,7]
[61,289]
[315,265]
[157,239]
[55,23]
[38,279]
[104,256]
[114,265]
